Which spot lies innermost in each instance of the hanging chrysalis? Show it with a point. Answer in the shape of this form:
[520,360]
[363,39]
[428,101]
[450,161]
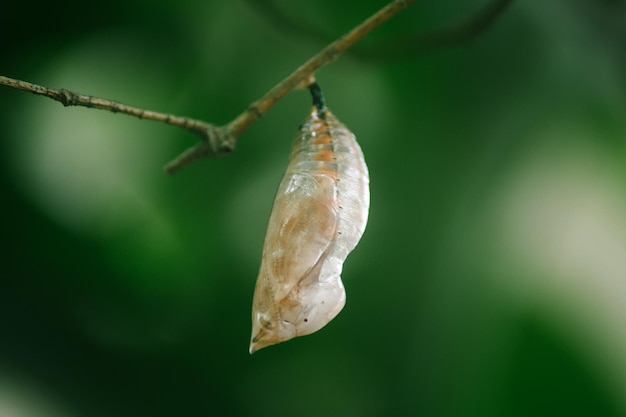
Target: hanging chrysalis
[319,215]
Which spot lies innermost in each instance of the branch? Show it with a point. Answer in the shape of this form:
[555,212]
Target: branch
[219,140]
[257,109]
[70,98]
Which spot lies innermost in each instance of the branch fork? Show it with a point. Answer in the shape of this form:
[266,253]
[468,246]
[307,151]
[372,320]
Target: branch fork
[221,140]
[216,141]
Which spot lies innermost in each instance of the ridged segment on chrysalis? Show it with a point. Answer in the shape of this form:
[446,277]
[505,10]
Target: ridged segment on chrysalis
[319,215]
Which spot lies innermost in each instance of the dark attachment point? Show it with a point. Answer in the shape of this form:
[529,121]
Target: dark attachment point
[318,98]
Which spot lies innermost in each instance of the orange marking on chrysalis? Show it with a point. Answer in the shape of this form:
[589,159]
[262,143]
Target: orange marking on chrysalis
[324,155]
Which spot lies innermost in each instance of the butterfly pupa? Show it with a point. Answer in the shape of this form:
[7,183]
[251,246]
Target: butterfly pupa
[319,215]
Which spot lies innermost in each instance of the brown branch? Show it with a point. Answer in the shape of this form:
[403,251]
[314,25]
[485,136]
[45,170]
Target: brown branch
[219,140]
[70,98]
[235,128]
[228,135]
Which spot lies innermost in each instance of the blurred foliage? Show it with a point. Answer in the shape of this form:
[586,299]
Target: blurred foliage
[491,280]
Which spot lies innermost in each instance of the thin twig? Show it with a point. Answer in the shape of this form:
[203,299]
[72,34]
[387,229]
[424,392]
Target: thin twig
[70,98]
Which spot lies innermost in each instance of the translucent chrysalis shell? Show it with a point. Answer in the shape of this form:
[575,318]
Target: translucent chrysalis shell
[319,215]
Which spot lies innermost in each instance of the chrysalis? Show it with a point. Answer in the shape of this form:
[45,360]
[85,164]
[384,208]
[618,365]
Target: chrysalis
[319,215]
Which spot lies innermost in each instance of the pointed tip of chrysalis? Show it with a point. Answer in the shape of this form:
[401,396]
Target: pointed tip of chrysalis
[260,340]
[254,345]
[257,344]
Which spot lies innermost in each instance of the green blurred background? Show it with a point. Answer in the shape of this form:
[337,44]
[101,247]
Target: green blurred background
[491,280]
